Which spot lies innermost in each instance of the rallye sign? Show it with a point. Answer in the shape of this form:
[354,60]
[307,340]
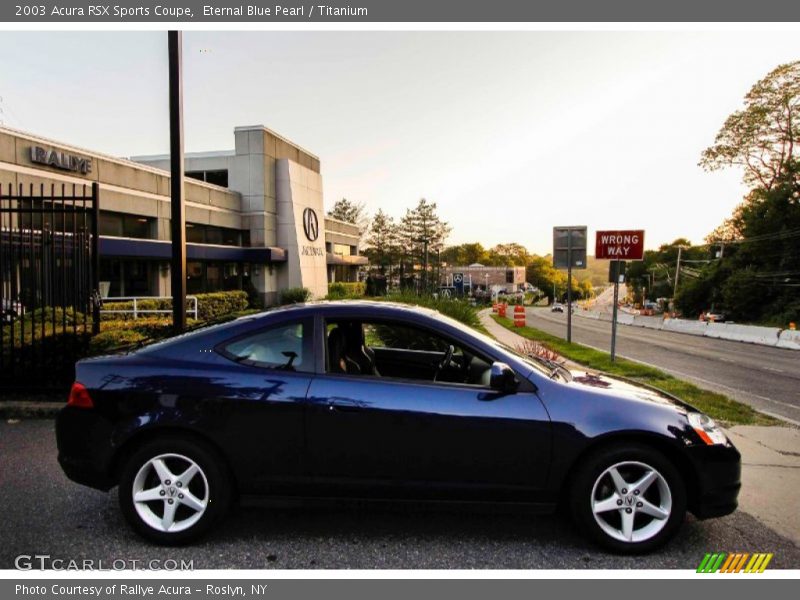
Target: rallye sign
[620,245]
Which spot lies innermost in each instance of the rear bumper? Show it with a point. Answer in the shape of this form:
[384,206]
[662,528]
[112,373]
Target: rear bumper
[719,470]
[84,447]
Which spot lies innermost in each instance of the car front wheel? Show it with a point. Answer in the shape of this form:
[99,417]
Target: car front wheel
[629,498]
[173,490]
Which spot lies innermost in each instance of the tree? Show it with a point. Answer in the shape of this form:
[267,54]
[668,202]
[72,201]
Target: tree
[423,223]
[761,138]
[509,254]
[758,277]
[541,273]
[382,240]
[465,254]
[350,212]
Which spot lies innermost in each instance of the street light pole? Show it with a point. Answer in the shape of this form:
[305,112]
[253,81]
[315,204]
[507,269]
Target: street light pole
[177,215]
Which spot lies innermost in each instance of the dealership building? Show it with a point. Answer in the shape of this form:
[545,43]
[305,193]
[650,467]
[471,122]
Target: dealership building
[254,214]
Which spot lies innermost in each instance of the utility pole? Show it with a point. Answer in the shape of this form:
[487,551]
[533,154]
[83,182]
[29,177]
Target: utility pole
[677,272]
[177,216]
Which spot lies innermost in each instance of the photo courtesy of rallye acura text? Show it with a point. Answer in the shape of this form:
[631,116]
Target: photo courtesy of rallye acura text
[374,400]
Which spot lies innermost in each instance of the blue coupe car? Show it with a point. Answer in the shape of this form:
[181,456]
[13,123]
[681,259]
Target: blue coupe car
[374,400]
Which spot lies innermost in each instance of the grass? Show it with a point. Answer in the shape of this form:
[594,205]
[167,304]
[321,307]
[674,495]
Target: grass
[718,406]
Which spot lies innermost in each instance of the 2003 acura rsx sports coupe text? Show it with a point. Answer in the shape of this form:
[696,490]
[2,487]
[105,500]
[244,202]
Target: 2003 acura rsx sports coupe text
[373,400]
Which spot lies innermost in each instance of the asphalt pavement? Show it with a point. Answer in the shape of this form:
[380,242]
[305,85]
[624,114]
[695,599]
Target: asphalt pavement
[45,513]
[766,378]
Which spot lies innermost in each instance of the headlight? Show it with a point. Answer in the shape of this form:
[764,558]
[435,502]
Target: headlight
[707,429]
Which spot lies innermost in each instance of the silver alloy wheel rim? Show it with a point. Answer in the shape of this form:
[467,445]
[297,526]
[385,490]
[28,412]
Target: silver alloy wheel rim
[638,506]
[184,493]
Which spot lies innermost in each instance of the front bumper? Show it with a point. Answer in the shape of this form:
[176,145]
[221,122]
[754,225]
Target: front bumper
[84,447]
[719,470]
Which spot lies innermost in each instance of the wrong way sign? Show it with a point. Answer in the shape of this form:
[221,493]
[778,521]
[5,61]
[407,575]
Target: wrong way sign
[620,245]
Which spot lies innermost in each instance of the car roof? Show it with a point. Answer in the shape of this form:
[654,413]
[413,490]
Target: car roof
[343,306]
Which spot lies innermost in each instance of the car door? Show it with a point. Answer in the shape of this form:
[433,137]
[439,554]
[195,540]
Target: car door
[368,433]
[262,380]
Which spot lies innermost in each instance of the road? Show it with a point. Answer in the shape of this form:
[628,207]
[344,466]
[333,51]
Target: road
[766,378]
[44,513]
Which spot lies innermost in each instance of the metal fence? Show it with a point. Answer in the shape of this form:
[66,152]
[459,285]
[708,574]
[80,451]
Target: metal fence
[137,310]
[49,271]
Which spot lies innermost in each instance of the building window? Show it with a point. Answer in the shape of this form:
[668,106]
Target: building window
[341,249]
[120,225]
[208,234]
[195,234]
[217,177]
[194,277]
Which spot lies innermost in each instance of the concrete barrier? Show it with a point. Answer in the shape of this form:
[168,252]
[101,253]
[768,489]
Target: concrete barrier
[789,339]
[765,336]
[587,314]
[624,318]
[649,322]
[685,326]
[753,334]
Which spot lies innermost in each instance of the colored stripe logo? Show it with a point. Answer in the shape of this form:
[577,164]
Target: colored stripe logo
[738,562]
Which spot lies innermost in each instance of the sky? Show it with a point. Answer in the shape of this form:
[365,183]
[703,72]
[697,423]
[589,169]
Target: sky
[510,133]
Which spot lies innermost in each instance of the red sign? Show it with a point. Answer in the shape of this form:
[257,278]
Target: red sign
[620,245]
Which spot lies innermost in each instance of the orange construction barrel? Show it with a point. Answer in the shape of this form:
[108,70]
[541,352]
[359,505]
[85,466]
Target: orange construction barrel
[519,316]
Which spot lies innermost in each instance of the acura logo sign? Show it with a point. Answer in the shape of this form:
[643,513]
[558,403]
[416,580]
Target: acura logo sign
[310,224]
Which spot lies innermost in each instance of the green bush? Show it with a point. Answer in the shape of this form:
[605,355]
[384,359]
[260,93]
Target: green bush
[218,304]
[152,328]
[44,322]
[339,290]
[295,295]
[460,310]
[112,340]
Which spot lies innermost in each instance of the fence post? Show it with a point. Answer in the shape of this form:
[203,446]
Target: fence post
[95,257]
[135,310]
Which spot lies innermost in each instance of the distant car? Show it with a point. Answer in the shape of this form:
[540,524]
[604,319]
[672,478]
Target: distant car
[556,307]
[713,316]
[374,400]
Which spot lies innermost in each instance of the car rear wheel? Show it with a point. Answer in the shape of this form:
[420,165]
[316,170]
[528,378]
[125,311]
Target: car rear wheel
[173,490]
[629,498]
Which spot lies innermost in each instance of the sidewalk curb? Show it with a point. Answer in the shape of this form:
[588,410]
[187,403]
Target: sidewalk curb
[14,409]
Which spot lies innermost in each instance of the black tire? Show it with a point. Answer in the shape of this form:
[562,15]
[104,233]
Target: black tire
[583,487]
[211,484]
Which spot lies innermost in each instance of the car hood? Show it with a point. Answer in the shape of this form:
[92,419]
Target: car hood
[625,388]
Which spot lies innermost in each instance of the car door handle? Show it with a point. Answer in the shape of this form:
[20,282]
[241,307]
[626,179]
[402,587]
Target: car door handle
[343,406]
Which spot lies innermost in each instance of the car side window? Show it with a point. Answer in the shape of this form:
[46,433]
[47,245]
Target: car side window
[283,347]
[394,350]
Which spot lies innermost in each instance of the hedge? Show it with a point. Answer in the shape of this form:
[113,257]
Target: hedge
[295,295]
[345,289]
[112,340]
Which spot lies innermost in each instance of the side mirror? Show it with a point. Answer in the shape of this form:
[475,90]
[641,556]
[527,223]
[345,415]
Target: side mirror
[502,378]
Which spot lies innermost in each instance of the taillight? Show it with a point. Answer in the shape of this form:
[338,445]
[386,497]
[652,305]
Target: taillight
[79,396]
